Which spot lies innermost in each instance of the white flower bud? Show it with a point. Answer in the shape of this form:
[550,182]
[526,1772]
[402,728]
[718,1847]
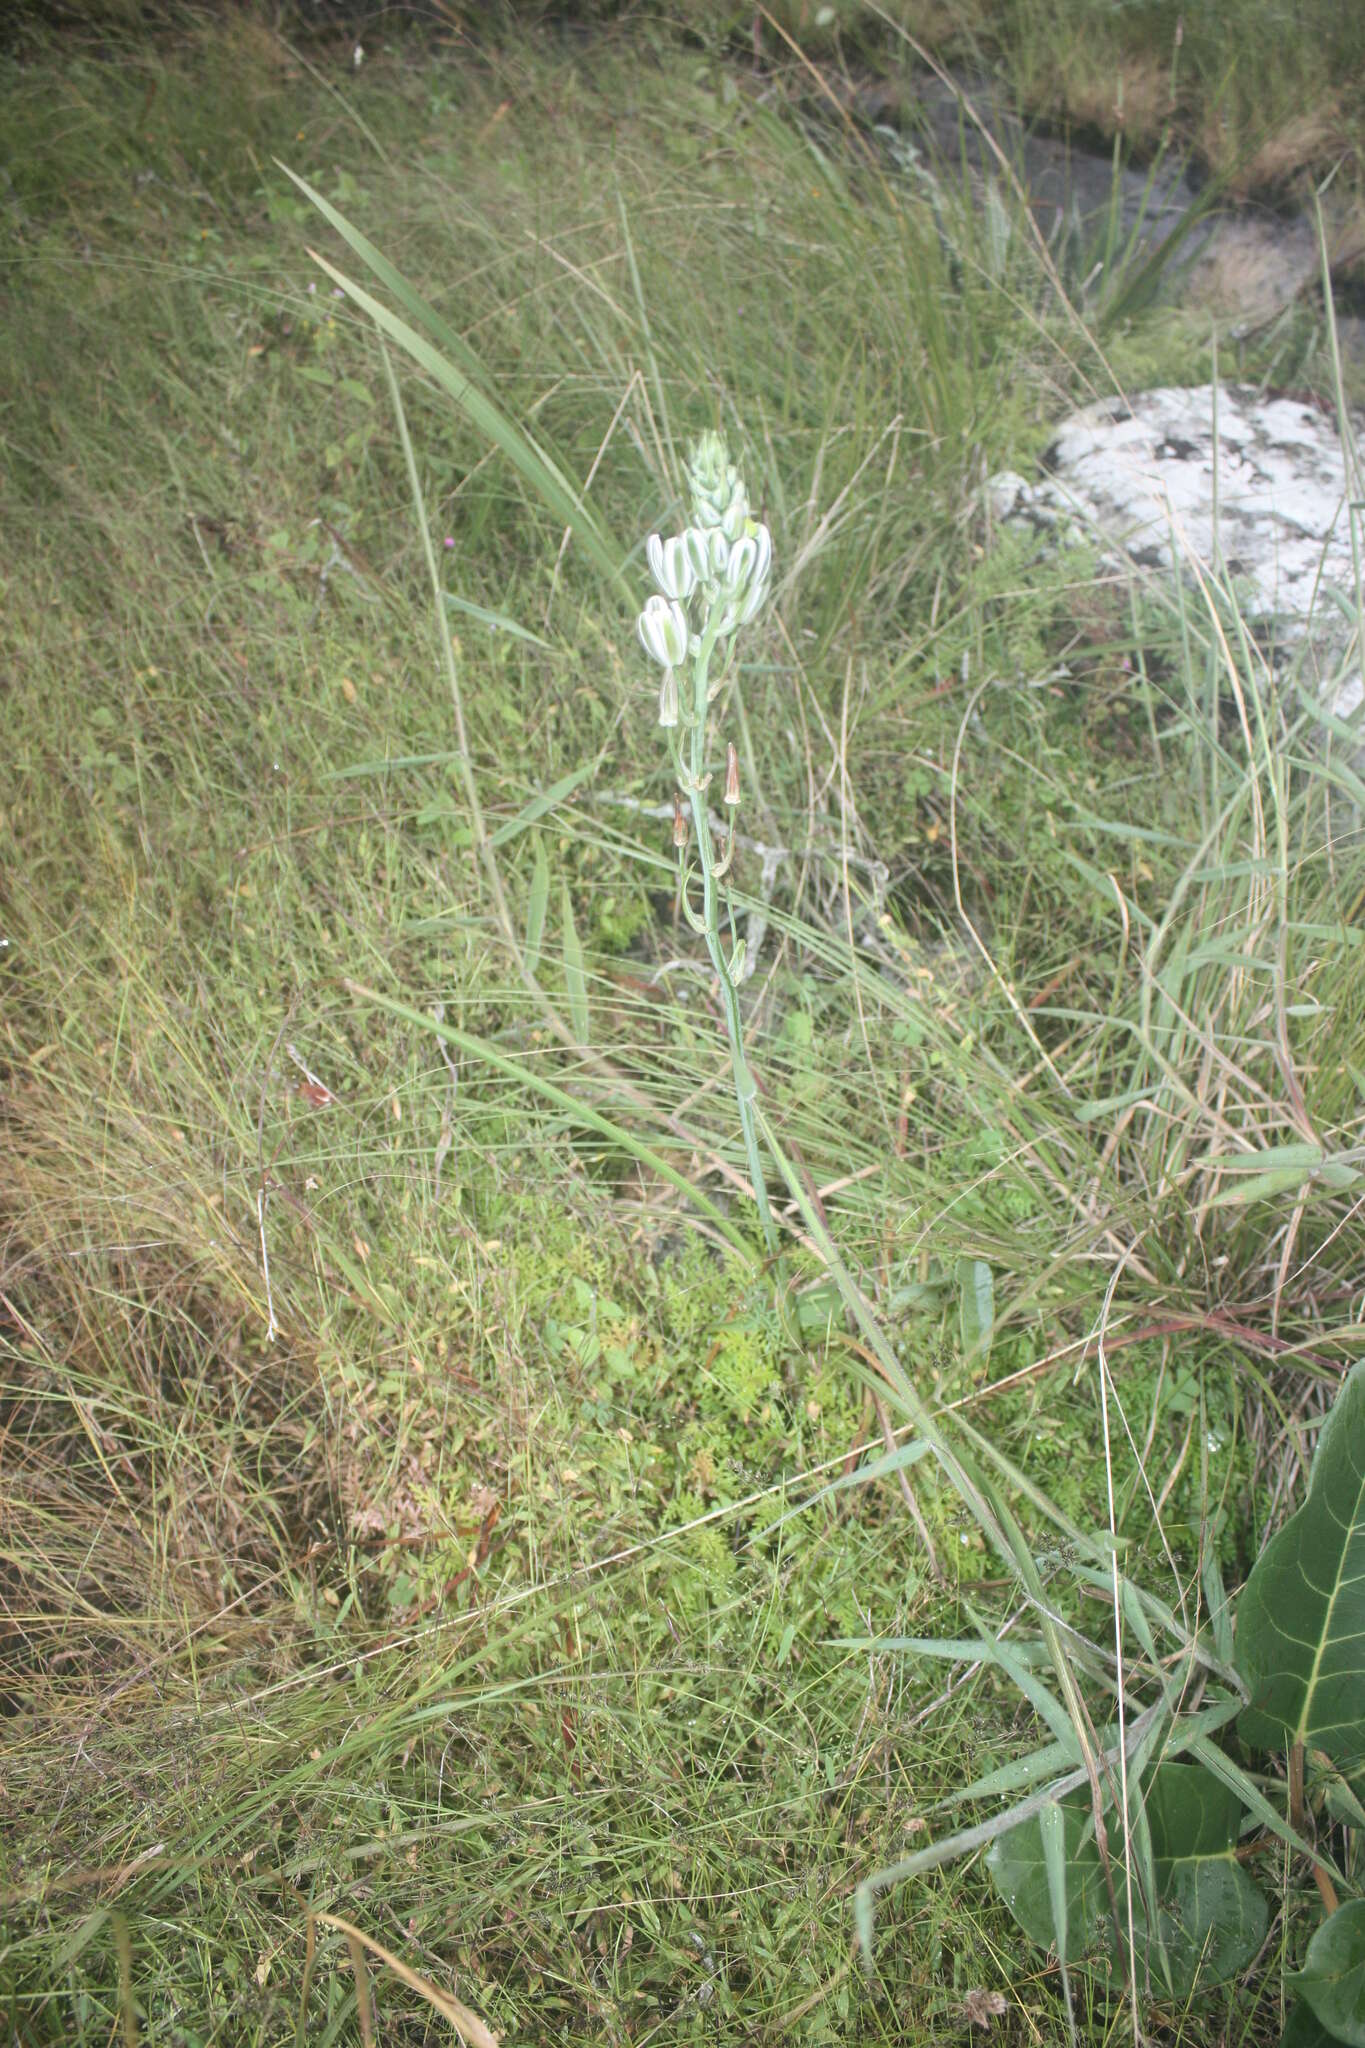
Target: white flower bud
[753,600]
[672,566]
[698,549]
[668,700]
[735,516]
[739,568]
[718,494]
[720,553]
[662,627]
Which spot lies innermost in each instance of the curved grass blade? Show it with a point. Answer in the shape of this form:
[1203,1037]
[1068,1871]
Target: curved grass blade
[460,374]
[526,456]
[578,1112]
[545,800]
[536,906]
[575,980]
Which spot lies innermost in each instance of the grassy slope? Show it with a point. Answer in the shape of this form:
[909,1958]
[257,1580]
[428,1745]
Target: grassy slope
[344,1617]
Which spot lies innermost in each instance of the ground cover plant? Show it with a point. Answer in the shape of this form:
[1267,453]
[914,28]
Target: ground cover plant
[439,1538]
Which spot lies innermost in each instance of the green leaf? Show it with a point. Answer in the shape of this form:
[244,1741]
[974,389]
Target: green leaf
[1052,1833]
[465,385]
[575,981]
[1301,1619]
[536,906]
[497,621]
[544,801]
[1244,1787]
[1277,1169]
[1303,2029]
[1209,1918]
[391,764]
[976,1306]
[1345,1801]
[1018,1864]
[1332,1979]
[1219,1610]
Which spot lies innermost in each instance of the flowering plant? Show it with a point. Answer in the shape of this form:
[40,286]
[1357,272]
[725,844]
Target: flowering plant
[712,579]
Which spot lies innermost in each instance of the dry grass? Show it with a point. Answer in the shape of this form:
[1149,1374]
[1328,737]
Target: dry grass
[1298,146]
[1136,101]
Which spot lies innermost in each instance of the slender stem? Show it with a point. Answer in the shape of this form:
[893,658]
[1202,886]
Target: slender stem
[746,1087]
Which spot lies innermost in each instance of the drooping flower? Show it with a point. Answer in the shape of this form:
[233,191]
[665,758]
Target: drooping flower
[662,627]
[698,547]
[752,601]
[740,567]
[672,566]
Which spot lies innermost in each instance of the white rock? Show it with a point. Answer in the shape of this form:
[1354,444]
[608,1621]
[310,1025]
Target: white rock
[1146,475]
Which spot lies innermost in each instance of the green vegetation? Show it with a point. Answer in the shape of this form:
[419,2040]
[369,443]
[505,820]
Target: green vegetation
[1252,98]
[422,1511]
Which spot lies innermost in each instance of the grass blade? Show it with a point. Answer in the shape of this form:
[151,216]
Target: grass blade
[539,805]
[533,462]
[536,907]
[497,622]
[473,2031]
[575,980]
[578,1112]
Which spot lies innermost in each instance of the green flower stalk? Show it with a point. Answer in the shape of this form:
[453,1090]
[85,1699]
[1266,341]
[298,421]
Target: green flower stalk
[712,579]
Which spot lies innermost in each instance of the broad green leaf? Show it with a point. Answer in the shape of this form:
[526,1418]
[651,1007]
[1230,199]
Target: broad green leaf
[1303,2029]
[976,1306]
[1301,1618]
[1018,1864]
[1332,1979]
[536,905]
[1209,1919]
[575,981]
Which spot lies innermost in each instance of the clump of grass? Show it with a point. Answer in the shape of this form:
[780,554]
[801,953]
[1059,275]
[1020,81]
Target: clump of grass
[418,1512]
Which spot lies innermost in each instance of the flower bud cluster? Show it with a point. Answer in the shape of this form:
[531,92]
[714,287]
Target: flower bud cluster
[719,498]
[714,576]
